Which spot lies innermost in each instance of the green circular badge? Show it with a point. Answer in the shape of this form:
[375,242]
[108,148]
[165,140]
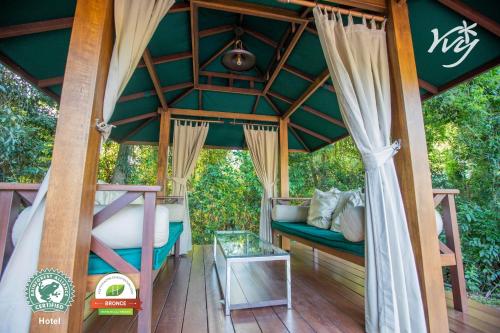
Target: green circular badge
[49,290]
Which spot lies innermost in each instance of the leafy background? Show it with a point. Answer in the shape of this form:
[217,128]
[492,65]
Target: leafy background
[462,128]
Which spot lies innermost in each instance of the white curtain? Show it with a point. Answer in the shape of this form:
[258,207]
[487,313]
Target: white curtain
[189,138]
[357,59]
[135,23]
[262,142]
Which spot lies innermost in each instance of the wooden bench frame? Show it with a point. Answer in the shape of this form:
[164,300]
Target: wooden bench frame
[450,251]
[14,197]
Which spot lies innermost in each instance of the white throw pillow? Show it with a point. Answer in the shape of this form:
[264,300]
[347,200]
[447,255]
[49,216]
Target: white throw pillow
[352,218]
[287,213]
[123,230]
[322,206]
[175,212]
[343,197]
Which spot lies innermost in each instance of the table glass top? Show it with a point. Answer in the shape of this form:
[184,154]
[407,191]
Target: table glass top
[241,244]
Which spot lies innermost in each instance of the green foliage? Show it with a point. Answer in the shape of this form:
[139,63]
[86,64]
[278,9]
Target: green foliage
[27,127]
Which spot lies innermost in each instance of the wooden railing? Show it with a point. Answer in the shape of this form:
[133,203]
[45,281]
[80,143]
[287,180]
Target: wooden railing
[14,197]
[450,250]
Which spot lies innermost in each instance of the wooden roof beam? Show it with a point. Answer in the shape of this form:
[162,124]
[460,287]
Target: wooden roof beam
[306,77]
[59,24]
[138,128]
[246,8]
[232,76]
[154,78]
[299,139]
[35,27]
[273,106]
[134,118]
[236,90]
[311,133]
[148,93]
[429,87]
[308,109]
[223,115]
[195,43]
[318,82]
[473,15]
[217,54]
[167,58]
[215,30]
[263,38]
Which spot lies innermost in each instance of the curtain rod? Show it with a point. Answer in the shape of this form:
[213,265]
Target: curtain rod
[253,124]
[334,9]
[200,120]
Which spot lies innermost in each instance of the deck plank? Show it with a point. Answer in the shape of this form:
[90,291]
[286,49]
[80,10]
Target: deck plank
[196,304]
[172,316]
[217,320]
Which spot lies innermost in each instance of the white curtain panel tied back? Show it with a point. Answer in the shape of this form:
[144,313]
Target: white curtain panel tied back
[135,23]
[262,142]
[189,138]
[357,59]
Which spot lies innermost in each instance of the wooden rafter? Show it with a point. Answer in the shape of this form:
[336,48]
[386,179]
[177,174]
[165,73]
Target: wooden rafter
[9,63]
[217,54]
[167,58]
[255,104]
[52,81]
[200,99]
[232,76]
[311,133]
[263,38]
[273,106]
[318,82]
[299,139]
[134,118]
[154,78]
[251,9]
[59,24]
[35,27]
[153,92]
[473,15]
[223,115]
[245,91]
[297,72]
[195,42]
[178,98]
[308,109]
[215,30]
[429,87]
[139,128]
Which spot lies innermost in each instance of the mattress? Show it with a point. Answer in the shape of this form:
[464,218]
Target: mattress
[325,237]
[133,255]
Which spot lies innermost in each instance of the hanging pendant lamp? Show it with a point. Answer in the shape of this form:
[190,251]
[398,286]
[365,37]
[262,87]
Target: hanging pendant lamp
[238,59]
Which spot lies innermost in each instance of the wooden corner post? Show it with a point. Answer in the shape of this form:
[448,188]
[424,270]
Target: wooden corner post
[412,165]
[70,200]
[284,180]
[163,144]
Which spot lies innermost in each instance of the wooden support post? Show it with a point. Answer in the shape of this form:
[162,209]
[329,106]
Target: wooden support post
[412,166]
[163,144]
[70,200]
[284,180]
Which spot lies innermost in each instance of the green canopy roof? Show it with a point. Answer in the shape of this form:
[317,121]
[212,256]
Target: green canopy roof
[40,57]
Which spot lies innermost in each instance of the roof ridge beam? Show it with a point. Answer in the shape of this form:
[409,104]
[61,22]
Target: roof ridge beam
[263,38]
[167,58]
[304,76]
[246,8]
[217,54]
[141,94]
[311,133]
[215,30]
[22,29]
[299,139]
[318,82]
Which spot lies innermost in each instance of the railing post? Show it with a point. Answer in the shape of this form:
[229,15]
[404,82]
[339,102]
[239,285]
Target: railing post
[450,222]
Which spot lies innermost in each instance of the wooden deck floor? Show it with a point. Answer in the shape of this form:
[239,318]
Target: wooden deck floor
[327,296]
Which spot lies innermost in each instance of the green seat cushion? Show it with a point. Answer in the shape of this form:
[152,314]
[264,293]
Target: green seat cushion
[133,256]
[325,237]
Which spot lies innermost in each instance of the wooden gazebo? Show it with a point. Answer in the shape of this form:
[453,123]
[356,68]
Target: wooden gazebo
[64,48]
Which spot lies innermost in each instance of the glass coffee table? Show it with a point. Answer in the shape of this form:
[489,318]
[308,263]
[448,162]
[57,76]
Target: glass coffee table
[244,247]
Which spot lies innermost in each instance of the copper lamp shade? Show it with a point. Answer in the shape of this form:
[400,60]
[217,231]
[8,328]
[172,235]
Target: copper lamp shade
[238,59]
